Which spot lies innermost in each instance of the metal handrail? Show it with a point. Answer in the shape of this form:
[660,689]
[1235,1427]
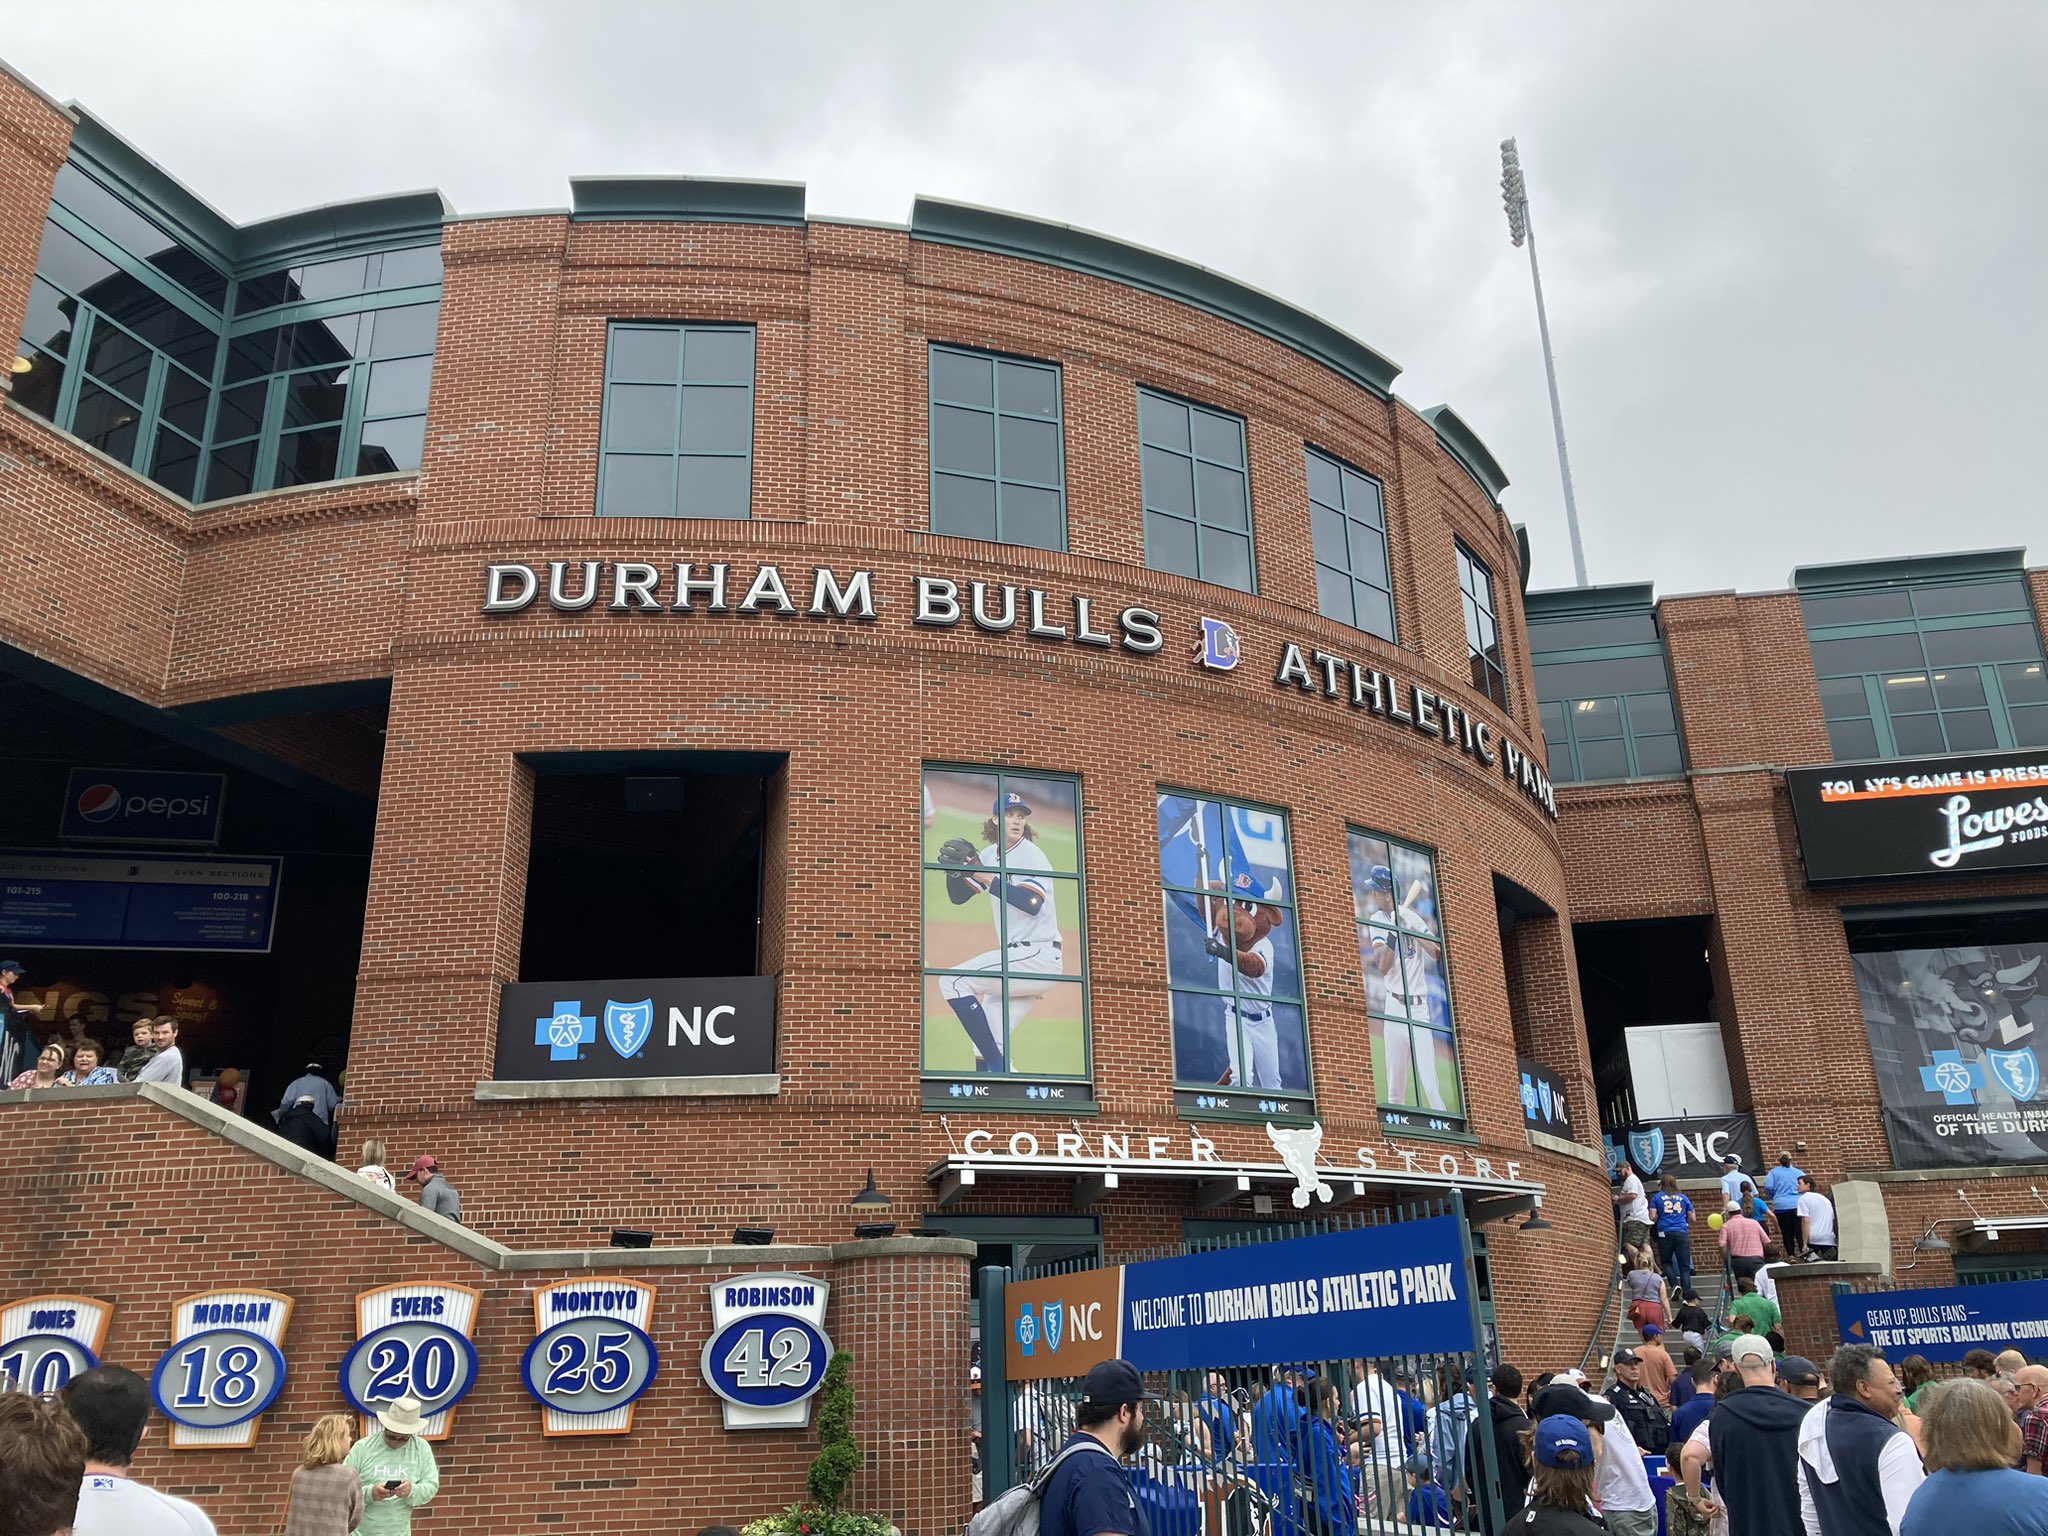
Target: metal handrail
[1602,1328]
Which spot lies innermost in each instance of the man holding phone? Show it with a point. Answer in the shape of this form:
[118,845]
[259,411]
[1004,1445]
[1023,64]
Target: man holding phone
[397,1468]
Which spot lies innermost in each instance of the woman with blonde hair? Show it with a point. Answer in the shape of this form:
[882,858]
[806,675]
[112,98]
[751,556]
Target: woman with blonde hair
[327,1496]
[373,1167]
[1971,1445]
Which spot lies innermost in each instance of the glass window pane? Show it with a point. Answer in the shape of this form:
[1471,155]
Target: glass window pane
[330,280]
[1333,594]
[965,509]
[1969,731]
[1839,696]
[1852,740]
[315,397]
[315,342]
[1657,755]
[1362,499]
[70,263]
[256,353]
[1219,437]
[1227,559]
[1583,634]
[1025,387]
[2030,726]
[647,355]
[1603,759]
[265,292]
[240,413]
[305,458]
[175,464]
[107,422]
[1856,608]
[1031,450]
[714,487]
[391,445]
[1324,485]
[638,485]
[1169,544]
[1873,653]
[118,361]
[1994,642]
[1369,555]
[48,322]
[1375,611]
[2022,683]
[1972,597]
[718,420]
[230,471]
[963,440]
[641,418]
[404,330]
[1905,691]
[1220,494]
[1162,421]
[1031,517]
[1959,687]
[1551,716]
[1326,533]
[407,268]
[1169,482]
[1650,712]
[718,357]
[399,388]
[38,388]
[1596,718]
[184,402]
[1557,760]
[961,376]
[1584,679]
[1917,735]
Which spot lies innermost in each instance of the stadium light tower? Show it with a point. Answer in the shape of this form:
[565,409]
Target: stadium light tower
[1515,194]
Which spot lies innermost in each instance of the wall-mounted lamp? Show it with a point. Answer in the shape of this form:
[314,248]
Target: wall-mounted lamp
[870,1198]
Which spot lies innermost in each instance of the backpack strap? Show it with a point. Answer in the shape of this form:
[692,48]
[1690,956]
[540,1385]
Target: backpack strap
[1085,1443]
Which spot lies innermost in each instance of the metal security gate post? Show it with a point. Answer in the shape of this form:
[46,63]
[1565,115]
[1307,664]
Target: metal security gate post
[1489,1517]
[998,1445]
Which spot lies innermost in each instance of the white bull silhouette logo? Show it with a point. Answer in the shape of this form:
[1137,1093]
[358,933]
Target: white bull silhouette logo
[1298,1148]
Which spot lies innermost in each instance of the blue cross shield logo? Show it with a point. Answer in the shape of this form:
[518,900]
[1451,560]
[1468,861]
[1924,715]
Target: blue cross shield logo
[1528,1096]
[1055,1315]
[2018,1072]
[1615,1158]
[1646,1149]
[1543,1096]
[564,1031]
[1955,1079]
[1220,647]
[627,1025]
[1027,1329]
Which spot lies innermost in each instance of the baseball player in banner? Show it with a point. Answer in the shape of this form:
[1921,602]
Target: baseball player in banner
[1002,905]
[1233,964]
[1400,952]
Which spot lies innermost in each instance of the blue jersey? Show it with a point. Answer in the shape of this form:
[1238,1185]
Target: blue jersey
[1277,1426]
[1673,1212]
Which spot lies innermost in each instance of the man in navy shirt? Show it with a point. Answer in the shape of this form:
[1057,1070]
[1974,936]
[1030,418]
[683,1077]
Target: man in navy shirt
[1088,1493]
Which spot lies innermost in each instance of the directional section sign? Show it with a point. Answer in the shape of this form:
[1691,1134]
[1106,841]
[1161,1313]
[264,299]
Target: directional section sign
[47,1340]
[1945,1323]
[412,1340]
[224,1367]
[590,1358]
[767,1352]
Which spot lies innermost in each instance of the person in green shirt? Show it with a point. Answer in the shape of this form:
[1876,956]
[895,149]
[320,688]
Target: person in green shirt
[1761,1311]
[397,1468]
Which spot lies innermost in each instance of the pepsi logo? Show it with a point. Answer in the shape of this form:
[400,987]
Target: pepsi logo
[99,802]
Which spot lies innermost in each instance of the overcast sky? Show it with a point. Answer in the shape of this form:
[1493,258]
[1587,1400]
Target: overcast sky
[1794,254]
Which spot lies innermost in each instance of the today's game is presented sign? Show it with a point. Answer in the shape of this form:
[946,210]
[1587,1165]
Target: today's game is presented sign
[1939,815]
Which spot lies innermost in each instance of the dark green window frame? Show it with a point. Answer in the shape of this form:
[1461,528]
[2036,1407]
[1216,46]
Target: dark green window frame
[1347,514]
[1622,733]
[993,495]
[1196,486]
[1482,626]
[677,464]
[1927,669]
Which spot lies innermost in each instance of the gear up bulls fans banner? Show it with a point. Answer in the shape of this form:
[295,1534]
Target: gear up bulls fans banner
[1958,1038]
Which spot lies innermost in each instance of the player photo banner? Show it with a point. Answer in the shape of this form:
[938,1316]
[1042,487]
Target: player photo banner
[413,1340]
[47,1340]
[1956,1037]
[1983,811]
[578,1031]
[1407,992]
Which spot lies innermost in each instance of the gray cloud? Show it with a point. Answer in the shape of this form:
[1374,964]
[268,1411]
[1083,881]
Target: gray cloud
[1793,254]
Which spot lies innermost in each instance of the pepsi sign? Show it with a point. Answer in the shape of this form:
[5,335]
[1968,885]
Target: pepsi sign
[134,805]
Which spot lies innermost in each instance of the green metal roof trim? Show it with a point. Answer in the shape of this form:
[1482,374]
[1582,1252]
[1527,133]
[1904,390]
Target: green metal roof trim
[1590,602]
[1911,569]
[1082,250]
[1463,444]
[692,199]
[366,224]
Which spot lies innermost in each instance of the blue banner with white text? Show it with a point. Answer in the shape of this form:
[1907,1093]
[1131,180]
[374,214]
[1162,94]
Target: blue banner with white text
[1947,1322]
[1371,1292]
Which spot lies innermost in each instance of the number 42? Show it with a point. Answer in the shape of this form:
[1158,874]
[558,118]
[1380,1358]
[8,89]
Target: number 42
[791,1366]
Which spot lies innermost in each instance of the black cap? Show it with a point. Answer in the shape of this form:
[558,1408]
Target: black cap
[1627,1357]
[15,966]
[1112,1383]
[1562,1397]
[1798,1370]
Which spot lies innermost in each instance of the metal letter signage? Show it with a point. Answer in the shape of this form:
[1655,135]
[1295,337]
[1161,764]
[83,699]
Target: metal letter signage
[590,1356]
[47,1340]
[412,1340]
[577,1031]
[223,1368]
[767,1352]
[1872,821]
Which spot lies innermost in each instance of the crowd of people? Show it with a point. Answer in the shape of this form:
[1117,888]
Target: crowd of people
[153,1057]
[1657,1230]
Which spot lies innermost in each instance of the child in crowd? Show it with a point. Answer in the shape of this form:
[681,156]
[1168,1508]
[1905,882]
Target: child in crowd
[141,1053]
[1428,1505]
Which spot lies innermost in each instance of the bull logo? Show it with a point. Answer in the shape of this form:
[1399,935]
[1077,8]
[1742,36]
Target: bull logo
[1298,1148]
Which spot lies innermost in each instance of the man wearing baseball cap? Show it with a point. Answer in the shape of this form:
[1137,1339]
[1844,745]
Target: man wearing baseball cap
[1752,1440]
[397,1468]
[1089,1493]
[1621,1484]
[436,1193]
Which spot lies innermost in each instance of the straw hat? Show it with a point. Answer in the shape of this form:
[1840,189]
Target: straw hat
[403,1417]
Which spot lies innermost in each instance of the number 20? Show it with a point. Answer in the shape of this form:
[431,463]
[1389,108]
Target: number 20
[397,1370]
[791,1366]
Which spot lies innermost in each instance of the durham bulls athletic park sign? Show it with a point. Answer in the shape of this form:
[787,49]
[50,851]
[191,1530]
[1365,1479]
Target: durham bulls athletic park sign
[636,588]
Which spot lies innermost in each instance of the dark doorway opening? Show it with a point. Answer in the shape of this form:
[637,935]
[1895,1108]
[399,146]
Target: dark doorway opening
[1633,975]
[645,869]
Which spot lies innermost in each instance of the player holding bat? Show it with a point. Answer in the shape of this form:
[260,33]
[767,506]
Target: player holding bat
[1403,981]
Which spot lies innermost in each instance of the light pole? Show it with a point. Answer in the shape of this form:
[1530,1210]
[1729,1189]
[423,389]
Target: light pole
[1515,195]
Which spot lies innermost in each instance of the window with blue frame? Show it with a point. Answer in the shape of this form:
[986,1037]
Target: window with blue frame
[998,470]
[677,439]
[1348,527]
[1603,695]
[1922,669]
[1198,509]
[1482,626]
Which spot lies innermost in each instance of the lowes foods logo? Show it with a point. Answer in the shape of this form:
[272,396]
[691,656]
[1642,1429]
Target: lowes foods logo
[1972,831]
